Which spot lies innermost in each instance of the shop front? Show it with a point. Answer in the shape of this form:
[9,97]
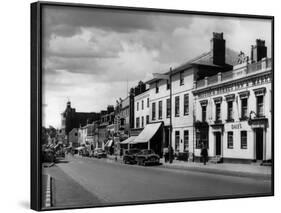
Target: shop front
[216,142]
[259,127]
[202,138]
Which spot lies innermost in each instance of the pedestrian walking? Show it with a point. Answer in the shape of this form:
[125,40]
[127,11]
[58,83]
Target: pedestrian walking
[171,154]
[166,155]
[204,154]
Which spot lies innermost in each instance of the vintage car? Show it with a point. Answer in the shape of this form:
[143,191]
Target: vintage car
[130,156]
[99,153]
[48,155]
[147,156]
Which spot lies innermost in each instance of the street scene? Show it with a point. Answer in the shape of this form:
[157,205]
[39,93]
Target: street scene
[86,181]
[140,108]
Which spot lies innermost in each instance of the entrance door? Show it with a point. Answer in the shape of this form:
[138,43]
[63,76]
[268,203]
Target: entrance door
[167,136]
[218,143]
[259,144]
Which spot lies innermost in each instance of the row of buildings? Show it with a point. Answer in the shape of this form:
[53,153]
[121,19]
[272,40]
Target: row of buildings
[220,99]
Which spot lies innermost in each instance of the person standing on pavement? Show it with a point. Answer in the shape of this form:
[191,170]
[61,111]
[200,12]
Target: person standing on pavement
[166,154]
[204,154]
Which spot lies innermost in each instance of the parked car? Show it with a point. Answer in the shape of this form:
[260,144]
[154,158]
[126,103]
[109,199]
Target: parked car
[130,156]
[48,155]
[85,153]
[147,156]
[99,153]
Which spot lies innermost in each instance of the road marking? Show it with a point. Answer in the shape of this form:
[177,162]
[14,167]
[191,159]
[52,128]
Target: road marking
[48,192]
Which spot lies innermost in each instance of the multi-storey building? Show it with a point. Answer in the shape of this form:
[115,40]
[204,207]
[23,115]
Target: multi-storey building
[180,109]
[233,109]
[142,109]
[73,137]
[71,119]
[105,128]
[122,116]
[82,135]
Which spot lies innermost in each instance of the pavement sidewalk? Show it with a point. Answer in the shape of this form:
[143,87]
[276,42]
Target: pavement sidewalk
[232,169]
[66,192]
[47,191]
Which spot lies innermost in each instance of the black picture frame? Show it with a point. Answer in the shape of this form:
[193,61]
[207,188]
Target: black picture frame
[36,96]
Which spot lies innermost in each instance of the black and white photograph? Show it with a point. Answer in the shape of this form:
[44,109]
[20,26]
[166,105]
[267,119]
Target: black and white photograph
[144,106]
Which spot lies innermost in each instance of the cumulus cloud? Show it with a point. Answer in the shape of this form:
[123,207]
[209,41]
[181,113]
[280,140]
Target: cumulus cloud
[93,56]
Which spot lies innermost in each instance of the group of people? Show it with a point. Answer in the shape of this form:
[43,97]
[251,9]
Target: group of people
[169,154]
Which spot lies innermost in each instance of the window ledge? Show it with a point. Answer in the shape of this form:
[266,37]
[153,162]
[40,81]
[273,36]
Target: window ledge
[229,120]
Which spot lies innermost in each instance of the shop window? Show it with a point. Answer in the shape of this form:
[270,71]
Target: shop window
[202,138]
[177,106]
[230,140]
[243,139]
[177,140]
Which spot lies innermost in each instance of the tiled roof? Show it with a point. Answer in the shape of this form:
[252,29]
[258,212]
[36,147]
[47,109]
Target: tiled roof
[205,59]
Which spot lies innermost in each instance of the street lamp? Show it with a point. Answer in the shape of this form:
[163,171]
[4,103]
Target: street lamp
[171,128]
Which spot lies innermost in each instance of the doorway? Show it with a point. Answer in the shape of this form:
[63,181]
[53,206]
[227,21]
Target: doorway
[259,144]
[218,143]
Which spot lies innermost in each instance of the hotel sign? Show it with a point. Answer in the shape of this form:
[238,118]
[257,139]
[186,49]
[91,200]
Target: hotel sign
[236,126]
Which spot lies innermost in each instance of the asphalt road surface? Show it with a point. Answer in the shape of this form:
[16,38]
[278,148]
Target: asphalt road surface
[88,181]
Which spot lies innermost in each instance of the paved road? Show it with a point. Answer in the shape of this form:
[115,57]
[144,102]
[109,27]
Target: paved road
[113,183]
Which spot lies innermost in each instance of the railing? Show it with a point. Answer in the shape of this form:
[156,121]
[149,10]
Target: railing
[212,79]
[200,83]
[254,67]
[226,75]
[268,63]
[239,72]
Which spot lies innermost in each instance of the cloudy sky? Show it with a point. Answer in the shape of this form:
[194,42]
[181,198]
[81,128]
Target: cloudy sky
[92,56]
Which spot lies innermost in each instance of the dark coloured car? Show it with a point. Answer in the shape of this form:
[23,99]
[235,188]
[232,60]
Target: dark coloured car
[99,153]
[48,155]
[130,156]
[147,156]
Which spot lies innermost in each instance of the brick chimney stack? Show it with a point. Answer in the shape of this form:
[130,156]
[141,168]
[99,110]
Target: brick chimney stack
[258,51]
[218,49]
